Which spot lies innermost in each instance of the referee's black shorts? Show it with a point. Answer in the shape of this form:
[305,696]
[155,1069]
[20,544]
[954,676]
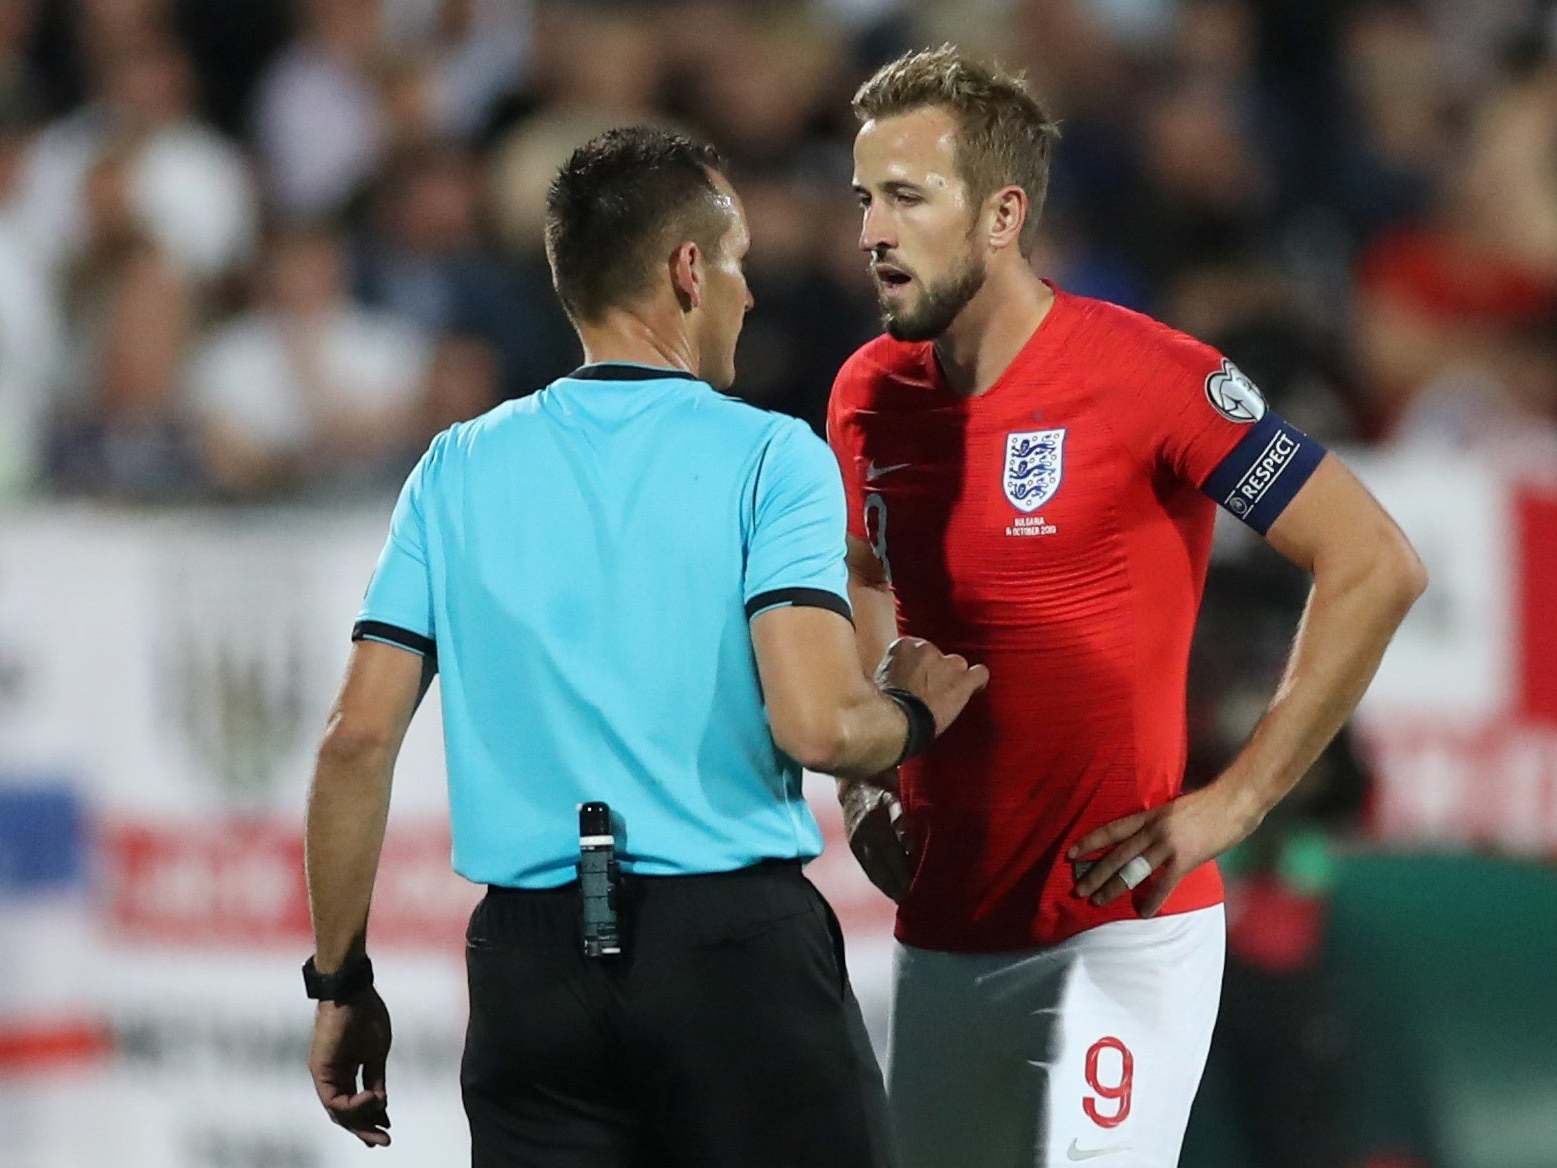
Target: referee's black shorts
[725,1037]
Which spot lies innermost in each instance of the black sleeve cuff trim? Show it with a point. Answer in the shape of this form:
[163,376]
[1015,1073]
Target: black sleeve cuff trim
[395,635]
[800,598]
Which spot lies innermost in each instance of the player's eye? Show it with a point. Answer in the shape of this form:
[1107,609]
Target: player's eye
[904,199]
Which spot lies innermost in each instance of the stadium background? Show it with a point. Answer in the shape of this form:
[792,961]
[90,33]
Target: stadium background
[253,254]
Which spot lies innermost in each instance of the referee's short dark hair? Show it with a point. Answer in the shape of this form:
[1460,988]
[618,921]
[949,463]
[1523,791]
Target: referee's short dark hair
[619,205]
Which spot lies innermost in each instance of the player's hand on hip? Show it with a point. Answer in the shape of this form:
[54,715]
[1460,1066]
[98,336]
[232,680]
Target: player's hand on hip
[943,681]
[872,819]
[1153,850]
[350,1037]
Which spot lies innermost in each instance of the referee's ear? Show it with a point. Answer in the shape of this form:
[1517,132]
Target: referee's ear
[686,275]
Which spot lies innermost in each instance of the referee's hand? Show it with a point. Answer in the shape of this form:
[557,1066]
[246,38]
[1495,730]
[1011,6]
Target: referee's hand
[943,681]
[350,1037]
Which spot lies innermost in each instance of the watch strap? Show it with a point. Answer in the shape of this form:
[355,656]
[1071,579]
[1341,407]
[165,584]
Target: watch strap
[921,722]
[346,982]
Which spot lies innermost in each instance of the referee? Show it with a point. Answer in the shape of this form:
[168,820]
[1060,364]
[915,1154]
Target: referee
[634,589]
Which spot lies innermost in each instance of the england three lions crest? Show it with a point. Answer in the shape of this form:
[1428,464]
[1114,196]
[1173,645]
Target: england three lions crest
[1035,463]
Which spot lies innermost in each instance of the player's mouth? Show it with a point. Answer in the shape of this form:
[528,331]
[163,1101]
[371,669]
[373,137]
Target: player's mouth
[890,279]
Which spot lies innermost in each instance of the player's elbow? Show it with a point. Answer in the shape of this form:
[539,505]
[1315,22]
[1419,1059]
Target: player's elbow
[1374,560]
[1415,579]
[1389,568]
[352,741]
[1403,576]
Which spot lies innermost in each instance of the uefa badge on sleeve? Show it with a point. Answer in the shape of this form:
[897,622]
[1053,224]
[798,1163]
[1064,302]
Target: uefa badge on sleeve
[1035,463]
[1233,395]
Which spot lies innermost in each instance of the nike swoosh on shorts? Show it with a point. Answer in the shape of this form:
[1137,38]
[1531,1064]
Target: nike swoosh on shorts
[1076,1152]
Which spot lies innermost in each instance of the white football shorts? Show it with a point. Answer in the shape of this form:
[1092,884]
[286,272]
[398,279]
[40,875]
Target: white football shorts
[1085,1052]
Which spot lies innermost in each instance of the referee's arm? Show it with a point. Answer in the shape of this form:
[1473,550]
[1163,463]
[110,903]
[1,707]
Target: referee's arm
[824,712]
[826,715]
[349,800]
[347,807]
[393,661]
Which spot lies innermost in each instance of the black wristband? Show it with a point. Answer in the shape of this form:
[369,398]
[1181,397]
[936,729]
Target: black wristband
[350,979]
[921,723]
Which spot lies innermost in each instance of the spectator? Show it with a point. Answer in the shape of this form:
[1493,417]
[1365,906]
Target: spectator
[800,292]
[1203,197]
[1444,303]
[18,80]
[129,312]
[1097,85]
[73,39]
[595,67]
[761,94]
[1507,185]
[603,57]
[422,258]
[30,329]
[475,52]
[308,391]
[462,383]
[1398,132]
[1498,403]
[186,185]
[319,123]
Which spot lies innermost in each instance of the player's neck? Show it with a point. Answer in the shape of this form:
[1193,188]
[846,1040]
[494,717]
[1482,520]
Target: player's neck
[624,337]
[992,329]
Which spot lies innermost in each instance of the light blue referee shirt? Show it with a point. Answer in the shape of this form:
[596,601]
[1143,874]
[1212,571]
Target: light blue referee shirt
[583,564]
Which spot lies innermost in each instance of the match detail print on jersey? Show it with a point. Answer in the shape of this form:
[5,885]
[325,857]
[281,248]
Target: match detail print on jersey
[1263,473]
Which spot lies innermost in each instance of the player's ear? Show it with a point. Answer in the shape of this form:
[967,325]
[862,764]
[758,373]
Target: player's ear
[686,275]
[1008,209]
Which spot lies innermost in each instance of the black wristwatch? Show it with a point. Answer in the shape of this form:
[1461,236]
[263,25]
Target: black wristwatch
[921,723]
[346,982]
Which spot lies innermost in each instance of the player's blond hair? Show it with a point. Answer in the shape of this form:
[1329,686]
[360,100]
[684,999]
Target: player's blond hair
[1005,136]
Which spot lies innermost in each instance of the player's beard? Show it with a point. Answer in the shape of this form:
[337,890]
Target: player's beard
[939,305]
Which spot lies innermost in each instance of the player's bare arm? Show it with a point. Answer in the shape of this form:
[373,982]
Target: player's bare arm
[871,813]
[347,808]
[826,714]
[1366,577]
[875,611]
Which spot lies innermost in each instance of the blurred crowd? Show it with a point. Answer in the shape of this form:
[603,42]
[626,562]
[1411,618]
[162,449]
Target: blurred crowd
[252,249]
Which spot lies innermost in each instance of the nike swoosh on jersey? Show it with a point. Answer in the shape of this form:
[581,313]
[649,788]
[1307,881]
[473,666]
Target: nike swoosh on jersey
[1076,1152]
[874,472]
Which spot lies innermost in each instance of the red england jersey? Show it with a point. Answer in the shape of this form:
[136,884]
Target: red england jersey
[1055,528]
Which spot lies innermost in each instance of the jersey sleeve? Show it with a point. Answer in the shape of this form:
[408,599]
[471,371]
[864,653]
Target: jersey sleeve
[795,548]
[843,437]
[1199,419]
[398,609]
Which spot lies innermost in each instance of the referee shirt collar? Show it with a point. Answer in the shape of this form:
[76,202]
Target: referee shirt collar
[627,371]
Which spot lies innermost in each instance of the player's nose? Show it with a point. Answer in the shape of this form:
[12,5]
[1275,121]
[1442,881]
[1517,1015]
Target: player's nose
[875,234]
